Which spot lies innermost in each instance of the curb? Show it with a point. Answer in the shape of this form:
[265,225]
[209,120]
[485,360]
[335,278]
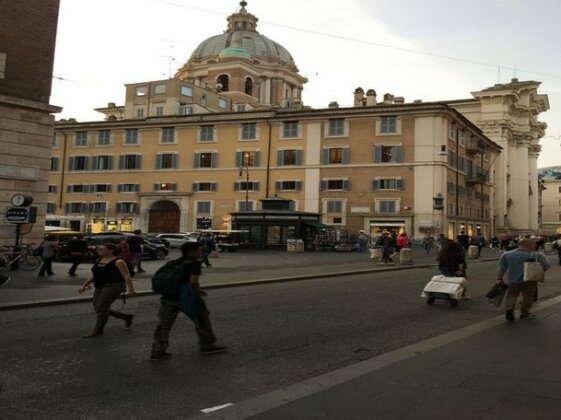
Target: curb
[142,293]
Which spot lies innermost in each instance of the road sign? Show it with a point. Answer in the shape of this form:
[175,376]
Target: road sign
[21,214]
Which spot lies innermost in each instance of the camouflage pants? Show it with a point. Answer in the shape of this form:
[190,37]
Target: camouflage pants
[167,314]
[103,298]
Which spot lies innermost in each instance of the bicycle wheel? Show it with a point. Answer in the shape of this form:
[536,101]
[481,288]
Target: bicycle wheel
[4,263]
[29,262]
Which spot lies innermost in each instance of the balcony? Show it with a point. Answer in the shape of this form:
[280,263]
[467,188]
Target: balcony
[476,178]
[474,147]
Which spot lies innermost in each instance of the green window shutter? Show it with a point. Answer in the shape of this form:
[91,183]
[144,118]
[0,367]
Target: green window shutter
[95,163]
[69,188]
[119,207]
[236,186]
[173,186]
[122,162]
[195,186]
[398,150]
[120,188]
[346,185]
[197,163]
[156,187]
[110,163]
[213,186]
[323,185]
[376,184]
[255,186]
[299,157]
[280,158]
[87,163]
[71,163]
[346,155]
[158,161]
[174,161]
[213,160]
[298,185]
[239,157]
[325,156]
[138,162]
[400,184]
[377,154]
[278,185]
[257,159]
[109,188]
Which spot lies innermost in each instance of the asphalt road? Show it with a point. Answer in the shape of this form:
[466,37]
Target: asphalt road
[278,334]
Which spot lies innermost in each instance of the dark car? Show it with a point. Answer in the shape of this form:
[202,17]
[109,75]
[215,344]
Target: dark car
[153,250]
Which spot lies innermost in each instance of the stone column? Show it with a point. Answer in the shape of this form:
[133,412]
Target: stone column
[519,185]
[533,201]
[267,91]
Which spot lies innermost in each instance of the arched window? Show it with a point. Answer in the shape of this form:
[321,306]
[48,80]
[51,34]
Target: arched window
[249,86]
[224,80]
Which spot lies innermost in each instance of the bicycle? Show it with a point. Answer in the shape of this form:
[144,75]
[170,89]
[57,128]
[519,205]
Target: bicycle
[13,258]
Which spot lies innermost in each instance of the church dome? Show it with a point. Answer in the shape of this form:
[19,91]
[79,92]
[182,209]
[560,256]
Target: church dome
[242,35]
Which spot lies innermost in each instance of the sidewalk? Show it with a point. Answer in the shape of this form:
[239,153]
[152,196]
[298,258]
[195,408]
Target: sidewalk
[490,370]
[230,269]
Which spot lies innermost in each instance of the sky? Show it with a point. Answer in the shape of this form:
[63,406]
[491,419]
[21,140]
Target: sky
[338,46]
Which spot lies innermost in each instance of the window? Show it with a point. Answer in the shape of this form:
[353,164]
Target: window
[185,110]
[54,141]
[54,164]
[206,133]
[159,111]
[335,184]
[79,163]
[247,159]
[336,127]
[131,136]
[75,207]
[166,161]
[559,190]
[335,155]
[204,186]
[186,91]
[168,135]
[222,103]
[52,188]
[387,154]
[139,112]
[461,138]
[452,130]
[388,125]
[559,216]
[126,207]
[246,186]
[387,206]
[205,160]
[165,186]
[290,129]
[289,157]
[130,161]
[98,207]
[240,108]
[245,205]
[334,206]
[203,206]
[204,101]
[102,163]
[288,185]
[128,187]
[81,139]
[100,188]
[103,137]
[51,208]
[78,188]
[388,184]
[224,81]
[249,131]
[141,90]
[159,89]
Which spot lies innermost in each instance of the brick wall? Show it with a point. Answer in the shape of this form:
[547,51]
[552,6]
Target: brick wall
[27,37]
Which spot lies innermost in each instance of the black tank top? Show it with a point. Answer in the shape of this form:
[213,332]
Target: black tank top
[107,273]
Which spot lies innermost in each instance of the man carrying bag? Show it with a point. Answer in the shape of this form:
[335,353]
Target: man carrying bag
[523,267]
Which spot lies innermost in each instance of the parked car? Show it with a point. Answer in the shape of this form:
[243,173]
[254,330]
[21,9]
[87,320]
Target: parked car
[153,250]
[175,240]
[152,237]
[226,240]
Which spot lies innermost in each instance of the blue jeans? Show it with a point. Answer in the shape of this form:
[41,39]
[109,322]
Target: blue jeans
[47,266]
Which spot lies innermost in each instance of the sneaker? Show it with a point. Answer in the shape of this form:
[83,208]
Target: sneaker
[527,316]
[160,356]
[128,320]
[4,280]
[509,315]
[213,350]
[95,333]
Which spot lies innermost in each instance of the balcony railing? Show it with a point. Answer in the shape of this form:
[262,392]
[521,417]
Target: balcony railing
[476,178]
[474,147]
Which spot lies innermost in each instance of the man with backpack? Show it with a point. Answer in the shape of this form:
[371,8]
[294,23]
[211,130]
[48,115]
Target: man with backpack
[178,283]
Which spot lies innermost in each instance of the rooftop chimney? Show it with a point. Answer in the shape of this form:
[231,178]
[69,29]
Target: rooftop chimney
[111,105]
[399,100]
[371,97]
[388,98]
[358,97]
[333,104]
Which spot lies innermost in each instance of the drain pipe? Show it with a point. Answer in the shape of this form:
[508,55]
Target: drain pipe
[268,160]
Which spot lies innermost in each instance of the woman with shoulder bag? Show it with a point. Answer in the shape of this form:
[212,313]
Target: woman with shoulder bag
[110,274]
[48,251]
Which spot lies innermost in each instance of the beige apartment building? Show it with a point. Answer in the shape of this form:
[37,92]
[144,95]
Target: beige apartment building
[550,182]
[367,167]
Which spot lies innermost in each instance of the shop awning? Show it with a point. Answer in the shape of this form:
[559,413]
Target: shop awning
[317,225]
[387,224]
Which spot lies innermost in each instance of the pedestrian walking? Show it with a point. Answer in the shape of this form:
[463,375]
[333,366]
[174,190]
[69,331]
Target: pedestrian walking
[362,242]
[386,242]
[76,247]
[402,241]
[208,247]
[110,274]
[428,242]
[463,240]
[186,298]
[479,241]
[441,241]
[49,249]
[135,248]
[512,264]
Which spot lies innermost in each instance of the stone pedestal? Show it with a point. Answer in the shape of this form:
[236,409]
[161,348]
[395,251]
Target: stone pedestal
[473,252]
[406,256]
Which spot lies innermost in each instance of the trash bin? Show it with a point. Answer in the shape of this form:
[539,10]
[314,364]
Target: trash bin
[299,245]
[548,247]
[291,245]
[406,256]
[473,252]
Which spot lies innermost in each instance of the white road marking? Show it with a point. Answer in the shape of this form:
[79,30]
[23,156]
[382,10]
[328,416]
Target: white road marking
[216,408]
